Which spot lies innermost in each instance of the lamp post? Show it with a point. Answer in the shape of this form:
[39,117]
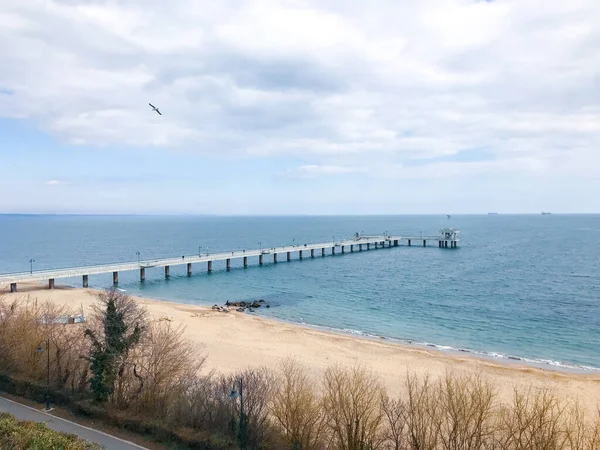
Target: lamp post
[260,246]
[199,250]
[40,349]
[31,261]
[138,256]
[243,432]
[294,242]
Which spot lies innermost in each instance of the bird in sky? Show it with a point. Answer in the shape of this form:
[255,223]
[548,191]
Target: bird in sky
[155,109]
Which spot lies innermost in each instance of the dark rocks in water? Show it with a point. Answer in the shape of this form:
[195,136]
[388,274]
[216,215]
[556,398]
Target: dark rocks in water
[240,310]
[241,306]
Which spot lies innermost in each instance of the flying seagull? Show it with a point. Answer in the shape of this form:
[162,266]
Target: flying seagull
[155,109]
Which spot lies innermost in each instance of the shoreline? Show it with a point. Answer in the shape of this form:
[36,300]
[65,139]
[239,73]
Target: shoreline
[491,356]
[234,341]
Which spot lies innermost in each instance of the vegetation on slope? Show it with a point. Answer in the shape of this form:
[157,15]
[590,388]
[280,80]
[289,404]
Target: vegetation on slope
[145,376]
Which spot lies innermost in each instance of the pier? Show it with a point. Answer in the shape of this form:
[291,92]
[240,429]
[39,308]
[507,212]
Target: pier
[448,238]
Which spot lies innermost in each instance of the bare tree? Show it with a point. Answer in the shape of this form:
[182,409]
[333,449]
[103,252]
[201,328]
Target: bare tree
[464,413]
[297,408]
[421,410]
[351,401]
[534,421]
[395,425]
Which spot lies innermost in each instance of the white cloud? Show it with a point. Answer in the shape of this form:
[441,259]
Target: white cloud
[54,182]
[335,84]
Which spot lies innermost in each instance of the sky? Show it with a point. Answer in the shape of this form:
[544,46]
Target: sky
[299,106]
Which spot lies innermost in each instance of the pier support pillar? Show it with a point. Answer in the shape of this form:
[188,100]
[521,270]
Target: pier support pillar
[300,254]
[51,283]
[289,256]
[408,242]
[189,269]
[209,266]
[312,252]
[360,247]
[167,271]
[343,251]
[245,261]
[424,243]
[376,245]
[142,274]
[260,261]
[396,242]
[332,251]
[228,263]
[351,248]
[446,244]
[322,252]
[85,281]
[13,287]
[274,258]
[368,246]
[115,277]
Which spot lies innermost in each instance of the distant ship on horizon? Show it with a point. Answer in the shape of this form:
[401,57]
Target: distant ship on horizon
[546,213]
[492,214]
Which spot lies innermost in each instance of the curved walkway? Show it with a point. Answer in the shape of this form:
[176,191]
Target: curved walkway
[23,412]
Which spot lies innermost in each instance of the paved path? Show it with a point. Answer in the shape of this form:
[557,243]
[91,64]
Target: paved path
[23,412]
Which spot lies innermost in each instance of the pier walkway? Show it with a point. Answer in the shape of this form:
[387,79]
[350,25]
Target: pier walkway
[448,238]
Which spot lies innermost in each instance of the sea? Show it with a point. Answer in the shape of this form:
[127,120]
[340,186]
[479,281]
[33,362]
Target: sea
[520,288]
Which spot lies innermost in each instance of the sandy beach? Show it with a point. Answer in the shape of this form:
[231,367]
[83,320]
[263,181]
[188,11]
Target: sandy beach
[234,341]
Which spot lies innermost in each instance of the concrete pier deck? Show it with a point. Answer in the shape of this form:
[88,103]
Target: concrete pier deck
[446,239]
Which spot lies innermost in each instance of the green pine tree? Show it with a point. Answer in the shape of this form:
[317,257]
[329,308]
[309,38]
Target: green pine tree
[108,352]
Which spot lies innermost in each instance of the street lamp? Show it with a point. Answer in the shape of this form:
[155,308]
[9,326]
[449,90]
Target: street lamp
[243,432]
[138,256]
[31,261]
[40,349]
[294,242]
[199,250]
[260,245]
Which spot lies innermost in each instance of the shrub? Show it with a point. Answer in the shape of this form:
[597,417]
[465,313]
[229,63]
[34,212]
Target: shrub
[21,435]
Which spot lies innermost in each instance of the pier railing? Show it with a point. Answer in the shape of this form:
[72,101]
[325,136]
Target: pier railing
[448,238]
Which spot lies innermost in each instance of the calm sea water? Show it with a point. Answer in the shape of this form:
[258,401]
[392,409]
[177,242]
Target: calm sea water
[519,286]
